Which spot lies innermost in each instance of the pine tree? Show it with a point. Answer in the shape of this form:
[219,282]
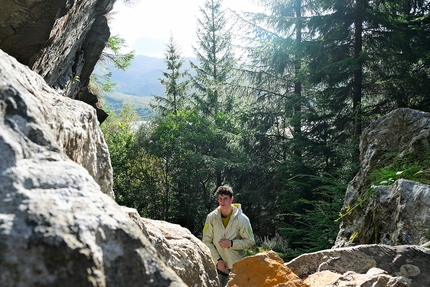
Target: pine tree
[111,54]
[215,60]
[367,58]
[296,130]
[276,145]
[402,70]
[336,61]
[175,82]
[213,74]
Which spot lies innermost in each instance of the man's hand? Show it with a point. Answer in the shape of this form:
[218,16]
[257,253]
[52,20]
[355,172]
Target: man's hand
[224,243]
[222,266]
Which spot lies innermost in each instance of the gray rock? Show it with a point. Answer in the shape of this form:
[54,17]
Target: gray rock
[39,121]
[180,250]
[57,227]
[396,214]
[59,224]
[403,265]
[59,39]
[374,277]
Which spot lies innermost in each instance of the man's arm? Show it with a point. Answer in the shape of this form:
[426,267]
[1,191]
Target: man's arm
[245,233]
[208,236]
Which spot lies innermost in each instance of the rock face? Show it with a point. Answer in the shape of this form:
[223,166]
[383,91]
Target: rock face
[396,214]
[40,120]
[180,250]
[365,265]
[57,227]
[59,39]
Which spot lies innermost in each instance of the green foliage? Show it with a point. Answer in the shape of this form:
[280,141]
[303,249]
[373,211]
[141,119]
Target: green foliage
[392,167]
[111,54]
[174,81]
[349,209]
[277,243]
[184,140]
[388,176]
[119,137]
[114,101]
[308,224]
[215,60]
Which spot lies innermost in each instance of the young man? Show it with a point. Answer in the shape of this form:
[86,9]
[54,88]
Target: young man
[227,232]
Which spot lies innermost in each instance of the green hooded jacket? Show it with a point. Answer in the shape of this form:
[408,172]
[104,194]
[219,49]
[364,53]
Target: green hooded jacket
[238,230]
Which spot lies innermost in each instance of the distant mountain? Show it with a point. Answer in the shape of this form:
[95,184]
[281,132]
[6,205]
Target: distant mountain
[142,78]
[138,84]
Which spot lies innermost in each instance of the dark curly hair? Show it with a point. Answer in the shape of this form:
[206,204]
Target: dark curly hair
[224,190]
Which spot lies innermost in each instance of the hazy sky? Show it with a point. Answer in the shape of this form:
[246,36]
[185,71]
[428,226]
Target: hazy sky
[146,26]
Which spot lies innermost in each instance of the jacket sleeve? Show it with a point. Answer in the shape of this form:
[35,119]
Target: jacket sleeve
[246,236]
[208,237]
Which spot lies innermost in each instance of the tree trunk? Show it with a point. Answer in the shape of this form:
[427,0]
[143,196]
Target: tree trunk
[297,83]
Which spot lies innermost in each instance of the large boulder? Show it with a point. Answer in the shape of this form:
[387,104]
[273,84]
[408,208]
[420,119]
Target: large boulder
[41,118]
[57,227]
[180,250]
[395,214]
[264,269]
[363,265]
[60,39]
[373,277]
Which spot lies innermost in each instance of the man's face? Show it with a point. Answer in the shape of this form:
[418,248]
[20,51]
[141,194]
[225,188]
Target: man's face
[224,200]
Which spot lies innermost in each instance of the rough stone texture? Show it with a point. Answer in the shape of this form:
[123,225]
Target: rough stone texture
[57,228]
[374,277]
[403,265]
[398,214]
[264,269]
[44,120]
[59,39]
[180,250]
[322,278]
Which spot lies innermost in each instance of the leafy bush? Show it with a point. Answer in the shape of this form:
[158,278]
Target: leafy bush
[277,244]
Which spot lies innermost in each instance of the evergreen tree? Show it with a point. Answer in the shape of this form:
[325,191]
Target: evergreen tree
[214,71]
[402,52]
[369,57]
[180,143]
[295,130]
[175,82]
[117,130]
[111,54]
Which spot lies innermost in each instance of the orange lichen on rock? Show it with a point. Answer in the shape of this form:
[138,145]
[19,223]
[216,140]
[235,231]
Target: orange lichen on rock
[264,269]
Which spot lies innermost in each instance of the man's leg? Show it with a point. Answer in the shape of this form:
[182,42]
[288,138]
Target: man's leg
[223,278]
